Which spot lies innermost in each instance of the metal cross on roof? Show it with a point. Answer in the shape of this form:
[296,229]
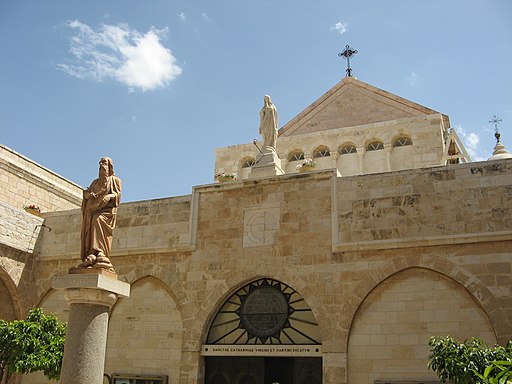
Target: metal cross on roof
[347,54]
[496,121]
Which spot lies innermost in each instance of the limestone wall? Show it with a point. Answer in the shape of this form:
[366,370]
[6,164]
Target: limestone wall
[426,133]
[23,182]
[441,205]
[379,273]
[142,227]
[19,229]
[19,233]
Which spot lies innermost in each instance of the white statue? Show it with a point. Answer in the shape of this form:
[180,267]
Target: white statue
[268,123]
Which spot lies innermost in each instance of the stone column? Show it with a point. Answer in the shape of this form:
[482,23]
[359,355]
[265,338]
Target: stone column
[360,155]
[335,156]
[388,148]
[90,297]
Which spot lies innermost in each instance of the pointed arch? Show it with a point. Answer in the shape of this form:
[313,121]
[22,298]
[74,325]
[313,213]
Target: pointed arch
[148,320]
[475,288]
[394,322]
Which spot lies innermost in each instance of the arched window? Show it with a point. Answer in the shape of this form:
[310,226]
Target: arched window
[248,162]
[265,311]
[321,151]
[347,149]
[402,141]
[375,146]
[296,156]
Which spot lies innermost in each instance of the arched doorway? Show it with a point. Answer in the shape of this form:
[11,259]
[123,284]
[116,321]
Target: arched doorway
[264,333]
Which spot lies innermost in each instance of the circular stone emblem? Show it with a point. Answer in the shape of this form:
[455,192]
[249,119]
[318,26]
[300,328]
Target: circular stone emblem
[264,312]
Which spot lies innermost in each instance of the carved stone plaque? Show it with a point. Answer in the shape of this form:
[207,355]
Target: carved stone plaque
[261,226]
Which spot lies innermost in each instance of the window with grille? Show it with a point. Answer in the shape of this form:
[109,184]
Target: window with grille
[402,141]
[347,149]
[248,163]
[265,311]
[375,146]
[296,156]
[321,152]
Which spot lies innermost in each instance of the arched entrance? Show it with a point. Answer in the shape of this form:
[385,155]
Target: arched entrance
[264,333]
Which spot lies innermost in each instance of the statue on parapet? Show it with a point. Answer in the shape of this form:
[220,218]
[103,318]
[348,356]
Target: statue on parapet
[99,209]
[268,124]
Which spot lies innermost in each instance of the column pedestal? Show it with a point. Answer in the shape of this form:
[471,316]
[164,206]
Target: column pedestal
[268,165]
[90,297]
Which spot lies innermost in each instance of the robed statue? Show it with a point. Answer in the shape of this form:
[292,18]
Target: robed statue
[268,124]
[99,209]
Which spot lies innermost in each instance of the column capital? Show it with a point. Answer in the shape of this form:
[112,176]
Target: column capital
[90,296]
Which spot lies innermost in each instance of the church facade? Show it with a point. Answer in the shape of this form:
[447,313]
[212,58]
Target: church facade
[335,274]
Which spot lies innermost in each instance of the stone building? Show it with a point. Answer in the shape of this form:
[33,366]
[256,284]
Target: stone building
[335,275]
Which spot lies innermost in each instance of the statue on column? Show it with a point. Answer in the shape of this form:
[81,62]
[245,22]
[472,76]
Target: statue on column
[268,124]
[99,209]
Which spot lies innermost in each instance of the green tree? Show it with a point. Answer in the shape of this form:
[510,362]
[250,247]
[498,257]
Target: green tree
[499,372]
[468,362]
[34,344]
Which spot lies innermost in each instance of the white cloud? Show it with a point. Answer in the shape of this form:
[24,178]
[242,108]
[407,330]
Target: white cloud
[341,27]
[206,17]
[182,16]
[412,79]
[117,52]
[470,141]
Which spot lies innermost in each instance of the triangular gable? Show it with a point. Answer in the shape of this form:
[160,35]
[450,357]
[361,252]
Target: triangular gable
[350,103]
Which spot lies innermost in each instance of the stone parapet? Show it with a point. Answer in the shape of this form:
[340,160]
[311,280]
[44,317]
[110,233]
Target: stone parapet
[24,182]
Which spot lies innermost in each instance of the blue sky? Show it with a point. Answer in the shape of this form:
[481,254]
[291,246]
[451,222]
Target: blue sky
[158,85]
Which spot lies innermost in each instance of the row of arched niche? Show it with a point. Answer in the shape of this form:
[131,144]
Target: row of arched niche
[346,148]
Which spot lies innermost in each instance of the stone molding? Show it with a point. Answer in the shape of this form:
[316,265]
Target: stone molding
[423,241]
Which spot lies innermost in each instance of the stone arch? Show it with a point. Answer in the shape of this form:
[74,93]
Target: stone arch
[17,273]
[245,166]
[402,139]
[321,151]
[162,272]
[390,331]
[8,298]
[218,378]
[219,297]
[247,162]
[129,275]
[54,301]
[295,155]
[347,148]
[221,292]
[475,288]
[148,320]
[374,144]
